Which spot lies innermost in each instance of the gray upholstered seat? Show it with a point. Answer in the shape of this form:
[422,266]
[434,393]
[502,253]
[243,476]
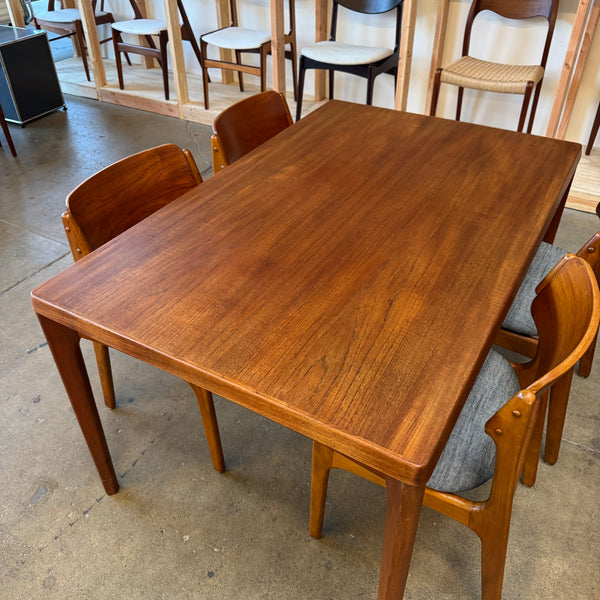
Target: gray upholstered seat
[469,456]
[519,319]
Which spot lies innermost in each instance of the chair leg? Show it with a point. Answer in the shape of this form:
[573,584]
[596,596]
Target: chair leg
[81,41]
[331,76]
[594,131]
[557,411]
[534,104]
[494,545]
[6,131]
[435,92]
[585,363]
[322,459]
[294,58]
[532,457]
[163,40]
[211,427]
[238,60]
[263,68]
[459,99]
[301,73]
[116,41]
[525,106]
[105,372]
[370,86]
[203,49]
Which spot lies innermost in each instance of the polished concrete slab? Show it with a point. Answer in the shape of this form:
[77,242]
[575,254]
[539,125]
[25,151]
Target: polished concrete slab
[177,529]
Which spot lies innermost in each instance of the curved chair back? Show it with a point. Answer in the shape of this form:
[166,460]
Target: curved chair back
[124,193]
[515,9]
[369,7]
[246,125]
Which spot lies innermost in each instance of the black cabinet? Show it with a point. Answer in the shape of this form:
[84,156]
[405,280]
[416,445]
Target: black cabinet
[29,87]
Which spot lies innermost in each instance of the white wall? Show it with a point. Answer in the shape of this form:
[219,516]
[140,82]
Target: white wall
[492,109]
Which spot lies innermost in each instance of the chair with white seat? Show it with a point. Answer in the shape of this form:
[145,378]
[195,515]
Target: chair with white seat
[242,40]
[148,29]
[493,431]
[473,73]
[364,61]
[66,22]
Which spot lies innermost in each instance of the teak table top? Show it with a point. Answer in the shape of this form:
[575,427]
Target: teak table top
[345,279]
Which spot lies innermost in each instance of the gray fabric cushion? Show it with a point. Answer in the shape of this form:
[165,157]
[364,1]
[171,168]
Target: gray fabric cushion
[468,458]
[519,317]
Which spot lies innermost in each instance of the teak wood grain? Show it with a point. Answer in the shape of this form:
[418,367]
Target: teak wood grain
[345,279]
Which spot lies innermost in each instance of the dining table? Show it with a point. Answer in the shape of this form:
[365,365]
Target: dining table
[346,279]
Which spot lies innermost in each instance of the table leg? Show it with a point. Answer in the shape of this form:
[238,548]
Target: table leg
[64,345]
[403,509]
[551,231]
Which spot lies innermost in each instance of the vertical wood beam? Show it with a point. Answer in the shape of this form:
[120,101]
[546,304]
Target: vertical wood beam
[582,59]
[88,21]
[223,20]
[277,45]
[438,47]
[176,54]
[409,17]
[15,12]
[321,35]
[565,77]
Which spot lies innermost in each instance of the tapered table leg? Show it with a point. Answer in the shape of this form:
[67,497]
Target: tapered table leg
[64,345]
[403,509]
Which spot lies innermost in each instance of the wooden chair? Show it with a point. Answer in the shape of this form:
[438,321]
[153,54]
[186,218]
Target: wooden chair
[519,333]
[6,130]
[567,312]
[147,28]
[364,61]
[594,131]
[113,200]
[66,22]
[242,40]
[246,125]
[470,72]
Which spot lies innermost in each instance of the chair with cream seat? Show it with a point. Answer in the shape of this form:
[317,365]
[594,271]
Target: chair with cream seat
[115,199]
[148,29]
[483,75]
[242,40]
[493,431]
[66,22]
[247,124]
[364,61]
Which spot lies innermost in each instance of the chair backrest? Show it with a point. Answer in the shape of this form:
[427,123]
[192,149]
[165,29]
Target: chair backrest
[566,312]
[124,193]
[233,14]
[515,9]
[246,125]
[367,7]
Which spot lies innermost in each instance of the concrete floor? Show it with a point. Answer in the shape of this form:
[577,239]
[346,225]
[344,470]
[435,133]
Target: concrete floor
[177,529]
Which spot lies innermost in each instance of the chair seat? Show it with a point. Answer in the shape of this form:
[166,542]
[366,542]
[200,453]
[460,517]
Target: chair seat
[140,26]
[237,38]
[65,15]
[478,74]
[469,456]
[519,319]
[339,53]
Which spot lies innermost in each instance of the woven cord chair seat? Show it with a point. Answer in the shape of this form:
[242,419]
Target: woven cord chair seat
[65,15]
[519,317]
[339,53]
[478,74]
[140,26]
[237,38]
